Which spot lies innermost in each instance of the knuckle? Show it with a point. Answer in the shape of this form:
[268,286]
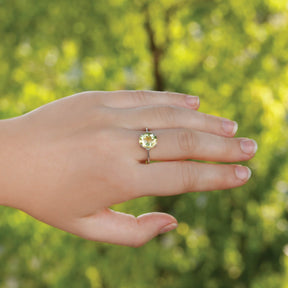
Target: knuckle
[186,140]
[228,147]
[166,114]
[139,237]
[141,96]
[188,176]
[166,93]
[205,120]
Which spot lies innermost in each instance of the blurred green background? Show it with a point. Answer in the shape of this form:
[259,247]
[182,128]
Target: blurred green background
[234,55]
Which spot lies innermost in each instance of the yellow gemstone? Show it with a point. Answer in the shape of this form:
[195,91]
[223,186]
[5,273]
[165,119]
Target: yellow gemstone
[148,140]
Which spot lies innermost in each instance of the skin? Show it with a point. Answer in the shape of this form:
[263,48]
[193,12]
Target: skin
[67,162]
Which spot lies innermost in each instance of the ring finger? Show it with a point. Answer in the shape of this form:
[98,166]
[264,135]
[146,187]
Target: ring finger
[162,117]
[183,143]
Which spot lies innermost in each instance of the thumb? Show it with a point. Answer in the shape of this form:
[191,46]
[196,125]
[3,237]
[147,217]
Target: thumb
[124,229]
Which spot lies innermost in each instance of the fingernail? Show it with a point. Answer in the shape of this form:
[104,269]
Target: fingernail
[243,173]
[249,146]
[192,100]
[168,228]
[230,127]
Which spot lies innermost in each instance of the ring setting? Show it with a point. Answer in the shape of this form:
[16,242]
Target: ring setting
[148,141]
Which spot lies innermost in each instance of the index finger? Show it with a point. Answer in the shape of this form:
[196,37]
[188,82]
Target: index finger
[138,98]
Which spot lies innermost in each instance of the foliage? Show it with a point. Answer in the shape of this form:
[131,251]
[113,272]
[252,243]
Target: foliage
[231,53]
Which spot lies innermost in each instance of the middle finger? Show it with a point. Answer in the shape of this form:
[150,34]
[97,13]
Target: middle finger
[163,117]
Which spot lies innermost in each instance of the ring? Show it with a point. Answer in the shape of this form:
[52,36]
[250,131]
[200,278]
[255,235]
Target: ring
[148,141]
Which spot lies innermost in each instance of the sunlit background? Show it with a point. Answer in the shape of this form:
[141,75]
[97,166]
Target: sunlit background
[234,55]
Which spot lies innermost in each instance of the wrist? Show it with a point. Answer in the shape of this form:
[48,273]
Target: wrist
[9,152]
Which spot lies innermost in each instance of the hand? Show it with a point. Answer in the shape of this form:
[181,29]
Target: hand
[73,158]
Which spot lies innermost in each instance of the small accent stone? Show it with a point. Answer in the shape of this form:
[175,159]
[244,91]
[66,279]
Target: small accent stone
[148,140]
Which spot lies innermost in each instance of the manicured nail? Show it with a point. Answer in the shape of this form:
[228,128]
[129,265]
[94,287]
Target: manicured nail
[230,127]
[243,173]
[192,100]
[248,146]
[168,228]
